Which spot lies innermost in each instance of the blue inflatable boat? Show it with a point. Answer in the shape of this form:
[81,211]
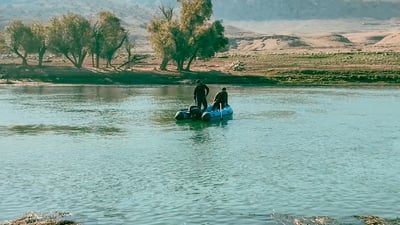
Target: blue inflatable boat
[194,113]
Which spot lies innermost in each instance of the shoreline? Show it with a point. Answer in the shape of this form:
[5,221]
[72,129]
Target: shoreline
[64,75]
[256,69]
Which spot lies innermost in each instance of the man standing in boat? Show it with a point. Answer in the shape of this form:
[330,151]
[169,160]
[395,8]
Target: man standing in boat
[220,100]
[200,94]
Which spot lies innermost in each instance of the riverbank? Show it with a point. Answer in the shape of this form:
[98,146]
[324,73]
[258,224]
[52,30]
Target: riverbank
[303,77]
[15,74]
[306,69]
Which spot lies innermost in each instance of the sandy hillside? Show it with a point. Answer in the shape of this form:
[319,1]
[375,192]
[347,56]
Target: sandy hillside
[318,43]
[314,36]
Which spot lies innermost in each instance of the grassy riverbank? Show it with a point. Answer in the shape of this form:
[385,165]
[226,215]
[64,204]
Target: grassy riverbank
[287,69]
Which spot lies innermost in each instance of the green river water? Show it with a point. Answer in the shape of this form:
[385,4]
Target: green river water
[116,155]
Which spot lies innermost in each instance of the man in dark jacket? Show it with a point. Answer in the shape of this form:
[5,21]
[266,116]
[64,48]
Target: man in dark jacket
[200,94]
[220,98]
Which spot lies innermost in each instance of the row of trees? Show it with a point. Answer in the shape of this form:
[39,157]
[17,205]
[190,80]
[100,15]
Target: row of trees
[71,35]
[177,38]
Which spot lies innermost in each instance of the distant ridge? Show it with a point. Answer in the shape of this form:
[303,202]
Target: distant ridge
[132,14]
[251,25]
[258,10]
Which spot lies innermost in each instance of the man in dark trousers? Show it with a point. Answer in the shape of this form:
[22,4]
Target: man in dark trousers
[200,94]
[220,100]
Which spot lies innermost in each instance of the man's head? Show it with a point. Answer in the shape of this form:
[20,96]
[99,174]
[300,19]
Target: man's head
[198,81]
[223,89]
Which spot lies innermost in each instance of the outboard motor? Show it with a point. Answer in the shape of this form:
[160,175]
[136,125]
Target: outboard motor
[195,112]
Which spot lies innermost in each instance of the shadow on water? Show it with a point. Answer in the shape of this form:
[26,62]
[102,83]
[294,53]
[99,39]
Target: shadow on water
[199,130]
[37,129]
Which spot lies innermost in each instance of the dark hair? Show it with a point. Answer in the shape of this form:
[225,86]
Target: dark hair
[198,81]
[224,89]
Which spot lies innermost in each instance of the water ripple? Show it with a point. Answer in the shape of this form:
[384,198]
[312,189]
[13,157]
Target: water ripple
[311,155]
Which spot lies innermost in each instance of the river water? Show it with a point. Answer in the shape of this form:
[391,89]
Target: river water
[116,155]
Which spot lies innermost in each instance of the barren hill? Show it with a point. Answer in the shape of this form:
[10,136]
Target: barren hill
[251,25]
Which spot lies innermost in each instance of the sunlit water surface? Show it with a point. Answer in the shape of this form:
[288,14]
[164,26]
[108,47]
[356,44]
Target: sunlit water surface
[116,155]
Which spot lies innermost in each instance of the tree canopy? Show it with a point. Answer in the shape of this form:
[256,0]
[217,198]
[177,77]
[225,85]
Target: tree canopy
[70,35]
[39,35]
[3,45]
[162,38]
[192,35]
[21,39]
[108,37]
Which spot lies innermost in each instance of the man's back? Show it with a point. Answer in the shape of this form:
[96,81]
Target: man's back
[222,96]
[201,91]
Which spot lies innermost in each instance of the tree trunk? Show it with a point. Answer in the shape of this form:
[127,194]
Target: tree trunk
[110,54]
[81,58]
[23,57]
[97,60]
[92,56]
[164,63]
[24,60]
[76,61]
[179,65]
[109,63]
[191,60]
[41,55]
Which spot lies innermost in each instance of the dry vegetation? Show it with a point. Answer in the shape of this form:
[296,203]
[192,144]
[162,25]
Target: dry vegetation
[349,68]
[366,54]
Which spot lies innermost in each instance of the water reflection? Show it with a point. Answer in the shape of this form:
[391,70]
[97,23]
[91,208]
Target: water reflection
[177,92]
[95,93]
[36,129]
[197,130]
[200,130]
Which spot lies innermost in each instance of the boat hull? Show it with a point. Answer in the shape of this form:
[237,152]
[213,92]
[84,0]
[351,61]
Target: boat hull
[193,113]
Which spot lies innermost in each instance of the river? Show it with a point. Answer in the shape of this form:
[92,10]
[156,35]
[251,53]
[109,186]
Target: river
[116,155]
